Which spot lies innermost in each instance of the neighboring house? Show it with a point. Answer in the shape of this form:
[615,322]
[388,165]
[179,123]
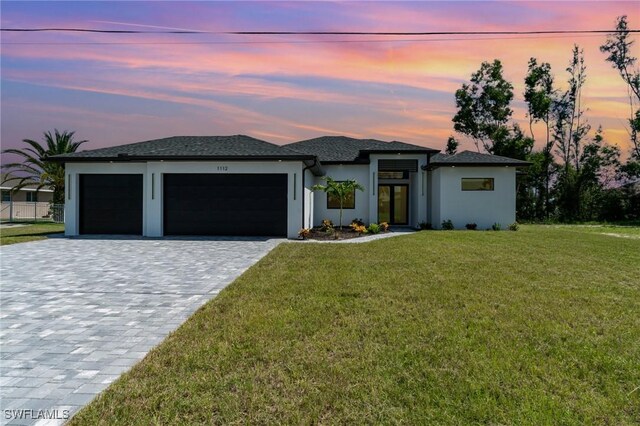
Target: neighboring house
[27,202]
[239,185]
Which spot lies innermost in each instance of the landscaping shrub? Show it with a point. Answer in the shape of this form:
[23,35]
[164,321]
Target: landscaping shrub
[425,226]
[360,229]
[358,222]
[447,225]
[514,226]
[384,226]
[327,226]
[304,233]
[471,226]
[496,226]
[374,228]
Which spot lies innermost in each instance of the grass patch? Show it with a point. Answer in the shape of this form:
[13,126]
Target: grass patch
[538,326]
[22,234]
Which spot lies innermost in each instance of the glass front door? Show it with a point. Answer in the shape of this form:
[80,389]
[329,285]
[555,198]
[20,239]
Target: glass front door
[393,204]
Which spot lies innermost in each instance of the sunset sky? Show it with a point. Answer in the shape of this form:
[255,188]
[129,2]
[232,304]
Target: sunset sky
[114,89]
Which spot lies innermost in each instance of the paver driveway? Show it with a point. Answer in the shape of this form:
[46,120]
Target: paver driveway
[76,313]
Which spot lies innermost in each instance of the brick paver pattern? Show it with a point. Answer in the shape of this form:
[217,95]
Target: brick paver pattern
[77,313]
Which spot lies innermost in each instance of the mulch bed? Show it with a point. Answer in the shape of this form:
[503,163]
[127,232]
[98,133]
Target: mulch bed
[346,233]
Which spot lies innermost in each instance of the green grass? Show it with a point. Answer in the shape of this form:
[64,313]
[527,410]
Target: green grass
[33,232]
[539,326]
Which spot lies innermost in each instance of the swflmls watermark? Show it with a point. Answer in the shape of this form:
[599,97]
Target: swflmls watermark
[27,414]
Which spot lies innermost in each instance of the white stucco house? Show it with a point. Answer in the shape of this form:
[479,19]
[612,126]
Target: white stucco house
[239,185]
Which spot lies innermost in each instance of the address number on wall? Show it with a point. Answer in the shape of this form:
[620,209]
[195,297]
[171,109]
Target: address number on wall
[223,168]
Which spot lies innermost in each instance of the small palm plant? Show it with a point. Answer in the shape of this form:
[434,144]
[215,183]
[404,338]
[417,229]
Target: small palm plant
[340,190]
[35,169]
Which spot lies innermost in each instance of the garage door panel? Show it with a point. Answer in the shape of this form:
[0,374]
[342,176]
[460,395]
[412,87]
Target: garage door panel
[110,204]
[225,204]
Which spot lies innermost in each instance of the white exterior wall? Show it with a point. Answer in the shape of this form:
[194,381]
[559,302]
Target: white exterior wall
[309,201]
[152,206]
[343,172]
[418,183]
[366,207]
[481,207]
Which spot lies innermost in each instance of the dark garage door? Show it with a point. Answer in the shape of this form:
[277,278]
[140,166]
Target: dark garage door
[225,204]
[111,204]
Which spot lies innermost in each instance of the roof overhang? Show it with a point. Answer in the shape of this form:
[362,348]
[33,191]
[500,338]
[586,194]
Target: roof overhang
[433,166]
[8,188]
[136,158]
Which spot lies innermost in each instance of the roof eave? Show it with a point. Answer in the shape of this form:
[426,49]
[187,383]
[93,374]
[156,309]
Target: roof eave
[400,151]
[144,158]
[476,164]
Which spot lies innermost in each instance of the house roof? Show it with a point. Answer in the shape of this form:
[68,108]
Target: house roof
[342,149]
[8,181]
[181,148]
[471,158]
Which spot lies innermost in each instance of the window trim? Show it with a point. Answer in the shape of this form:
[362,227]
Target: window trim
[31,194]
[344,207]
[493,184]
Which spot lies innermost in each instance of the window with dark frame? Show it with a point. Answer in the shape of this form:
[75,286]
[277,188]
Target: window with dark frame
[32,197]
[6,196]
[333,202]
[477,184]
[383,174]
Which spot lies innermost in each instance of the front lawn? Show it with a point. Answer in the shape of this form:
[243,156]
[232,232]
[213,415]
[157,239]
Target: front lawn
[539,326]
[29,232]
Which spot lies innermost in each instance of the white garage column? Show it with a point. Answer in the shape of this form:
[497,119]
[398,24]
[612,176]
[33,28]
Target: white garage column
[72,189]
[154,180]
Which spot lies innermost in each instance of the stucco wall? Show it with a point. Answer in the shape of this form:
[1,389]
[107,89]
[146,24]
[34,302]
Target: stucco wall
[366,207]
[309,181]
[343,172]
[418,185]
[152,179]
[481,207]
[21,195]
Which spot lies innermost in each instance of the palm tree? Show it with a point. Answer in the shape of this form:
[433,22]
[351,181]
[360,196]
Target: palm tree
[339,189]
[35,169]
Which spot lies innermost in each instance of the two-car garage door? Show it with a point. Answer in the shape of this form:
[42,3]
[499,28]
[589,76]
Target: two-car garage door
[225,204]
[193,204]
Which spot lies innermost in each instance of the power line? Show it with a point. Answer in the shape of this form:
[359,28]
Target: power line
[384,33]
[415,40]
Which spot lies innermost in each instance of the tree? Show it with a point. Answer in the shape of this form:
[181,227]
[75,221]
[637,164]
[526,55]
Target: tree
[35,169]
[339,189]
[583,189]
[539,95]
[452,146]
[511,142]
[483,105]
[618,47]
[569,128]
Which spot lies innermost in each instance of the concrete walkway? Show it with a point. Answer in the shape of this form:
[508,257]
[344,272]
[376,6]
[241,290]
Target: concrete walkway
[76,313]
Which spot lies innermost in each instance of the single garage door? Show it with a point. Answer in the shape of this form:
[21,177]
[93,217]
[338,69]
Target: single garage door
[111,204]
[225,204]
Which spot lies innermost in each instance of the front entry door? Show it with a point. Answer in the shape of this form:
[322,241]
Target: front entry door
[393,204]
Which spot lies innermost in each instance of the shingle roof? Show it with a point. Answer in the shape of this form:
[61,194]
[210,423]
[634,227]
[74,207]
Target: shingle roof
[188,147]
[339,149]
[471,158]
